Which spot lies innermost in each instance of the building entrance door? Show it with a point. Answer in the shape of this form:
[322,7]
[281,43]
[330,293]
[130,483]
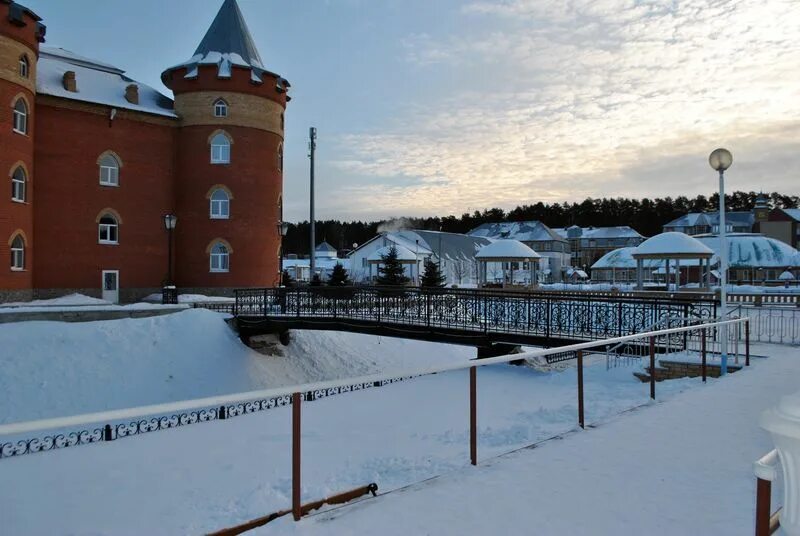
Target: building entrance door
[111,285]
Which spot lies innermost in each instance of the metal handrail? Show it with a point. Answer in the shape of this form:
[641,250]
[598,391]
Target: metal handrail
[185,405]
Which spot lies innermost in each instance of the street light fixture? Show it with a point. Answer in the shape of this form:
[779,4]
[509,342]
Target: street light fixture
[170,221]
[720,160]
[169,293]
[283,228]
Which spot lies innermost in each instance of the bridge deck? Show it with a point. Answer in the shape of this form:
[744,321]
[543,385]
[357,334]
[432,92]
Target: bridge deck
[470,317]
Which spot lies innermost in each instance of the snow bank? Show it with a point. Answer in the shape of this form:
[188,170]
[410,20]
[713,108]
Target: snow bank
[55,369]
[190,298]
[68,300]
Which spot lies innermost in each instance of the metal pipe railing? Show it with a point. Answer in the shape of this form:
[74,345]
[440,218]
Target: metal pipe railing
[214,401]
[766,472]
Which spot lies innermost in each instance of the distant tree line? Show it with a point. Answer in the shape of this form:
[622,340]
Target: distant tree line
[645,215]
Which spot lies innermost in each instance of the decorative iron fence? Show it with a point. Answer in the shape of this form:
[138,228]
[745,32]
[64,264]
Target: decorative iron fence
[119,430]
[219,307]
[542,314]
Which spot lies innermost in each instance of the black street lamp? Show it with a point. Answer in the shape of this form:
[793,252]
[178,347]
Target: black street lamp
[170,221]
[283,228]
[169,294]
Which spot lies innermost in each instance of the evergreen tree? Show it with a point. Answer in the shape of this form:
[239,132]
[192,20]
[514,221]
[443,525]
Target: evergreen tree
[432,277]
[286,279]
[339,276]
[391,272]
[316,281]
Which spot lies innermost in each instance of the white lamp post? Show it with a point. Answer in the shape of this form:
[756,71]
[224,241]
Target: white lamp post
[720,160]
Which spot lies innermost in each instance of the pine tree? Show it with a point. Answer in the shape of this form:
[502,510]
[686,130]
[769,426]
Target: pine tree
[339,276]
[286,279]
[391,272]
[432,277]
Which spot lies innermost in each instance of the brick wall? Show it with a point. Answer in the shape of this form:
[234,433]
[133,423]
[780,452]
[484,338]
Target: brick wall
[70,198]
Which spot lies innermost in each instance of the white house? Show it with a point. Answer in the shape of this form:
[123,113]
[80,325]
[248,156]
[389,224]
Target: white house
[454,252]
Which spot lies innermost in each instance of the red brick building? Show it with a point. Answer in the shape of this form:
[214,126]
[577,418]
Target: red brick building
[95,161]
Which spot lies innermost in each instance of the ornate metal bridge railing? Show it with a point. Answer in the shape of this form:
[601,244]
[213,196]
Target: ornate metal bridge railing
[567,316]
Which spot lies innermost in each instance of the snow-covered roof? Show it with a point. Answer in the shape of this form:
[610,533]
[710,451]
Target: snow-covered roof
[448,246]
[745,250]
[793,213]
[672,243]
[227,44]
[620,231]
[325,247]
[622,258]
[749,250]
[97,82]
[694,219]
[403,254]
[507,249]
[524,231]
[577,272]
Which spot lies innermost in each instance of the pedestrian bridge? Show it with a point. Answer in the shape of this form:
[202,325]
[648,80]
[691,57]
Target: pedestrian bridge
[463,316]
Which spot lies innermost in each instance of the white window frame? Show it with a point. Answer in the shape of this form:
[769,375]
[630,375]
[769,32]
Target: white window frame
[24,66]
[220,152]
[18,186]
[18,255]
[109,230]
[111,175]
[220,108]
[20,118]
[219,261]
[219,209]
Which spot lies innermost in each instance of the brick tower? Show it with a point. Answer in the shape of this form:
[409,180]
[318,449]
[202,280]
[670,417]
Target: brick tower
[229,176]
[20,35]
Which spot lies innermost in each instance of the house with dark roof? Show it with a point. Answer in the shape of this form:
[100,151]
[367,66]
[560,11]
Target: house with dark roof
[696,223]
[554,248]
[588,244]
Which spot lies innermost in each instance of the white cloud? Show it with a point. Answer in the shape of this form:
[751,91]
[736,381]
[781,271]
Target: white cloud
[570,97]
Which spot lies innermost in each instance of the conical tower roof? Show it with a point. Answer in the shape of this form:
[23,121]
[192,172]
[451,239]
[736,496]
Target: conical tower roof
[229,34]
[227,44]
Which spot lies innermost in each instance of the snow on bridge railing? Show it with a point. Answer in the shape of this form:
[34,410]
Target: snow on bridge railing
[294,395]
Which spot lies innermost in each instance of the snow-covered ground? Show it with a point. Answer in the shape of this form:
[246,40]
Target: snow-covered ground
[190,298]
[211,475]
[681,466]
[68,300]
[55,368]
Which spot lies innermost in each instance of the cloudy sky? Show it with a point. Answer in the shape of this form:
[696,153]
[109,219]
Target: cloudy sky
[437,107]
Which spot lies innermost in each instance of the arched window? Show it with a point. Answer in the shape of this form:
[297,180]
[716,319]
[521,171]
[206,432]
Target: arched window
[20,117]
[220,149]
[220,108]
[219,258]
[24,66]
[220,205]
[18,253]
[108,230]
[18,183]
[109,170]
[280,157]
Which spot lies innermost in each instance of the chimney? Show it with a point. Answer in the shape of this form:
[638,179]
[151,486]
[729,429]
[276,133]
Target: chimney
[132,94]
[70,84]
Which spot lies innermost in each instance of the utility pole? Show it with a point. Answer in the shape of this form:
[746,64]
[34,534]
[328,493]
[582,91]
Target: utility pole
[312,146]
